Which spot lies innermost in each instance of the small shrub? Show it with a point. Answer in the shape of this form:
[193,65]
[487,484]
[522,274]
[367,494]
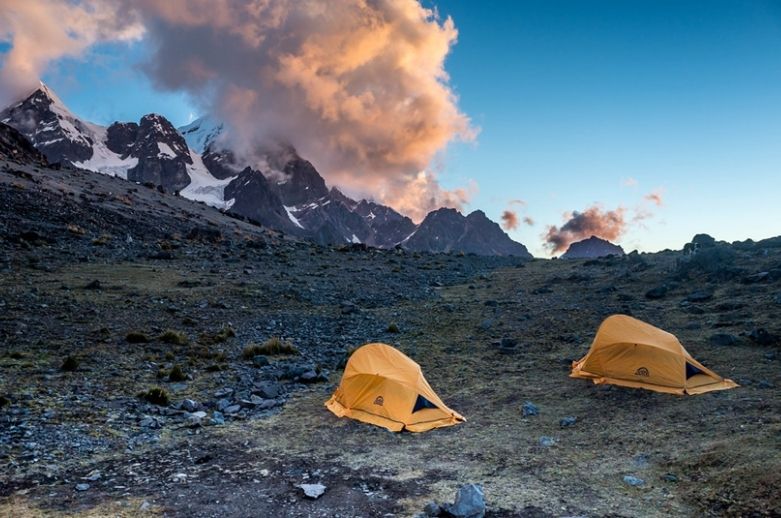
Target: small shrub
[102,240]
[176,374]
[69,364]
[4,401]
[216,338]
[271,347]
[216,368]
[16,355]
[392,328]
[156,396]
[169,356]
[161,373]
[171,336]
[136,337]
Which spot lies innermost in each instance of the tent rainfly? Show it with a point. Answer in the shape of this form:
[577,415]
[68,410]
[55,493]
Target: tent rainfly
[384,387]
[631,353]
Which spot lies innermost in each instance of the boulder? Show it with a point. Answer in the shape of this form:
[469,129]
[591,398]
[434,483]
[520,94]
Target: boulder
[470,503]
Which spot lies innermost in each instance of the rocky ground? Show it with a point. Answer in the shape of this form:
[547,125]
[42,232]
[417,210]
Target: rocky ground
[110,290]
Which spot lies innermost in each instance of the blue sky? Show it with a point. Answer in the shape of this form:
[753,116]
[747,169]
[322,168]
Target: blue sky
[573,99]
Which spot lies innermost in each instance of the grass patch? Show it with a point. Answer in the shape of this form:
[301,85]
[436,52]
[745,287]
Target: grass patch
[156,396]
[177,374]
[136,337]
[171,336]
[272,347]
[216,338]
[16,355]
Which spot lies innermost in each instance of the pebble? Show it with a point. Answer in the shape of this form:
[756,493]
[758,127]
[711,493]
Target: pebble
[82,487]
[633,481]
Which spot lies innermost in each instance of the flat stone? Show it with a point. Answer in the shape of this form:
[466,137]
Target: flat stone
[313,491]
[82,487]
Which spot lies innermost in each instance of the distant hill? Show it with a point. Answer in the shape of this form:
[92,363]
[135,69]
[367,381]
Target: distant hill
[590,248]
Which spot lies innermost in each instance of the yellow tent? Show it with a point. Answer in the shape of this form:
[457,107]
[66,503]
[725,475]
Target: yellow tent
[631,353]
[384,387]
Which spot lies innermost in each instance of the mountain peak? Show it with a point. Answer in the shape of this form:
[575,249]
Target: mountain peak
[591,248]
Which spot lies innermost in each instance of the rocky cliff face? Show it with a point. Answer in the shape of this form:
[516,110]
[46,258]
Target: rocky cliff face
[16,148]
[591,248]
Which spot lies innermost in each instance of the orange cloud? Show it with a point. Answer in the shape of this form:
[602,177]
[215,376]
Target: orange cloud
[510,220]
[655,197]
[359,88]
[593,221]
[43,31]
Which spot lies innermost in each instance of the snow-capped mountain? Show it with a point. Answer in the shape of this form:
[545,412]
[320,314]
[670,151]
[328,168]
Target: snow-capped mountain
[276,188]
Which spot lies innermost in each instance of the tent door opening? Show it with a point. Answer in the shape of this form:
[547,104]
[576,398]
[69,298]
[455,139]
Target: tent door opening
[422,403]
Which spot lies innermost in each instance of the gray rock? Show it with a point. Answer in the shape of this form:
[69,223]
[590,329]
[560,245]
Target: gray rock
[528,409]
[568,421]
[313,491]
[189,405]
[260,360]
[82,487]
[149,421]
[196,418]
[233,409]
[267,389]
[658,292]
[432,509]
[311,376]
[723,339]
[222,404]
[223,392]
[633,481]
[777,298]
[217,418]
[700,295]
[760,336]
[470,503]
[547,441]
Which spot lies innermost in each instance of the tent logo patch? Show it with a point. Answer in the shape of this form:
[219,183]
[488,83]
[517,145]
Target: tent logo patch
[642,371]
[379,401]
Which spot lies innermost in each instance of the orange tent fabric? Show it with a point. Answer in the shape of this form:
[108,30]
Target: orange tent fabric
[384,387]
[631,353]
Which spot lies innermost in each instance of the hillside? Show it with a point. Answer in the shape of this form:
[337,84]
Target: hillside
[110,289]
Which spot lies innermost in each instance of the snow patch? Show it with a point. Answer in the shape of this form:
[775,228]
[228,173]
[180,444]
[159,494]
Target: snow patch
[204,187]
[201,132]
[295,221]
[165,151]
[355,239]
[104,160]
